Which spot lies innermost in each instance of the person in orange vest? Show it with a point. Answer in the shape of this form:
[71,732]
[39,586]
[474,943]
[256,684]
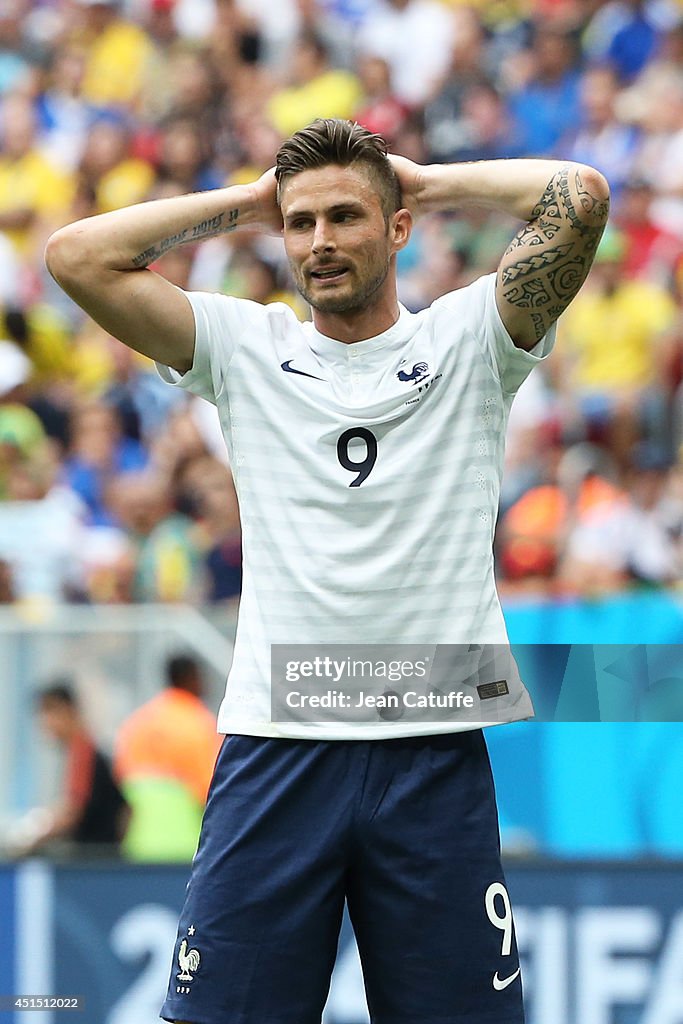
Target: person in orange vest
[164,758]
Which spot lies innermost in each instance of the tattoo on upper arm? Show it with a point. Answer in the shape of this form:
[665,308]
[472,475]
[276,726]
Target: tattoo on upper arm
[590,204]
[539,325]
[548,260]
[217,225]
[535,262]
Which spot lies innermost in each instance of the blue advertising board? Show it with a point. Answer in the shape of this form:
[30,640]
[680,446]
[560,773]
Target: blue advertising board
[643,617]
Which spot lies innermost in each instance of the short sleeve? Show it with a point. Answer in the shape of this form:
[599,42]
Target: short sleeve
[513,365]
[219,320]
[475,309]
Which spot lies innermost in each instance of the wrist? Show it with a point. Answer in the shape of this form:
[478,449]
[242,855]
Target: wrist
[440,187]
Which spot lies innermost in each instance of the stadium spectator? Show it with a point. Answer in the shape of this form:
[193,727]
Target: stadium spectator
[41,528]
[164,758]
[35,193]
[534,531]
[533,439]
[166,542]
[92,811]
[380,111]
[601,139]
[632,541]
[657,101]
[21,432]
[315,88]
[651,250]
[439,268]
[446,129]
[195,90]
[17,55]
[208,487]
[610,335]
[626,33]
[133,389]
[98,452]
[65,116]
[546,98]
[108,170]
[415,38]
[236,50]
[487,134]
[118,55]
[40,521]
[185,157]
[277,36]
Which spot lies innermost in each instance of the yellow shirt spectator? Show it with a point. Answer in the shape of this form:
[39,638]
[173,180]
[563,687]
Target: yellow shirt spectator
[127,183]
[118,62]
[609,336]
[31,182]
[332,94]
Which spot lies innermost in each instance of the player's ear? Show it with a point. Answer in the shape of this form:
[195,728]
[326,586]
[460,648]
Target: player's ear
[400,229]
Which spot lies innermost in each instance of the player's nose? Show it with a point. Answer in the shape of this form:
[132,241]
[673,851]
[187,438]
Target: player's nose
[322,241]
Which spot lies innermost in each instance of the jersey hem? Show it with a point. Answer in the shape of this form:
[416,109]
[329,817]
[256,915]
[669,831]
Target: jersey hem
[270,730]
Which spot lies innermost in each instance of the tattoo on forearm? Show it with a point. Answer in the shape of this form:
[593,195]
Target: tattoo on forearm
[217,225]
[205,227]
[548,260]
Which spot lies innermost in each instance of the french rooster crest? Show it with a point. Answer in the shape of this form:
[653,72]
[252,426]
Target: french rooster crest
[188,961]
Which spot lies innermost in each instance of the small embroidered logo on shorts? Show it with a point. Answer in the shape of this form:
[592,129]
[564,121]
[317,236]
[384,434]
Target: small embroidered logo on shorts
[188,961]
[497,689]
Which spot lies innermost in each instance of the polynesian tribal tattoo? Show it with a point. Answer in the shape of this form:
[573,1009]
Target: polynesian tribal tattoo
[218,225]
[549,258]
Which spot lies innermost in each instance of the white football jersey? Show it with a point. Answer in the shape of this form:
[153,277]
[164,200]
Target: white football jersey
[368,478]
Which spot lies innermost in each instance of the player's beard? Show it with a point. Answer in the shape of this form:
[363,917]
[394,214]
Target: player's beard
[349,301]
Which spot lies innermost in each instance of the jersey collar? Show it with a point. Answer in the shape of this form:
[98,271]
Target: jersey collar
[330,348]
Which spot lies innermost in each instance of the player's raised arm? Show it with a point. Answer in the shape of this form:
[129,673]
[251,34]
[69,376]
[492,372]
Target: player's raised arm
[101,262]
[565,208]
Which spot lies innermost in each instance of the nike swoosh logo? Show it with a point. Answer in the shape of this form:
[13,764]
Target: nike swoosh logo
[288,368]
[500,983]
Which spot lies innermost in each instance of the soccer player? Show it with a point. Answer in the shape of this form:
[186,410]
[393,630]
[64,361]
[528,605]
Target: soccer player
[367,450]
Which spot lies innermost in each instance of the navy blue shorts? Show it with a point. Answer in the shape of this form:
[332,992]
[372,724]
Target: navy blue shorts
[405,830]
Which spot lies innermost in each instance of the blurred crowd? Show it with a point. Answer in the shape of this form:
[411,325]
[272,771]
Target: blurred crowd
[113,487]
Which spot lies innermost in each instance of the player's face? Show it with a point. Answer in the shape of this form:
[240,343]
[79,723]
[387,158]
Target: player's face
[338,243]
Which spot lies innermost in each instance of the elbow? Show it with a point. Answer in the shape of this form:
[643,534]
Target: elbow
[67,254]
[594,192]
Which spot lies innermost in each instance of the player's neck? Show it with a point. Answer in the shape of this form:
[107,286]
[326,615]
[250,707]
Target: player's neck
[359,325]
